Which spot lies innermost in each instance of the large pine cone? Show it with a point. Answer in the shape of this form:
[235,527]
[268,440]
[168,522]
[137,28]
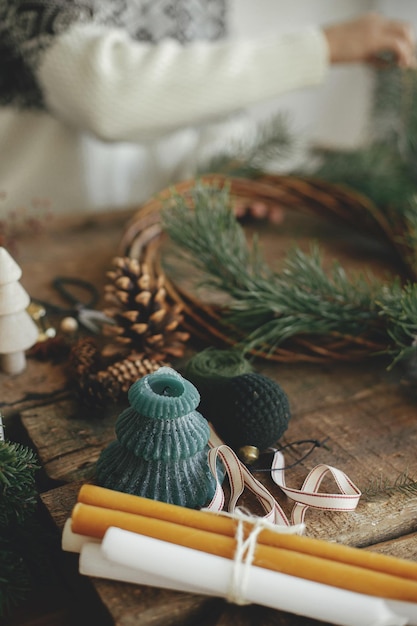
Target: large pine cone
[145,320]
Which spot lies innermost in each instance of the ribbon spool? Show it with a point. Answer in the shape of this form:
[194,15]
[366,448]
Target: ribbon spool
[248,410]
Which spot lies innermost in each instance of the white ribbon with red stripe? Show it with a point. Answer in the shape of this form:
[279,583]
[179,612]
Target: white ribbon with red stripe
[308,496]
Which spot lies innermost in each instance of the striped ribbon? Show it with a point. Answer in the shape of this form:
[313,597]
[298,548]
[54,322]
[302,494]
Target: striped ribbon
[240,478]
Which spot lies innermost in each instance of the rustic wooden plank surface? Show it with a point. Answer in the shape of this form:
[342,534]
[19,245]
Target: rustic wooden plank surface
[367,413]
[402,548]
[361,418]
[369,422]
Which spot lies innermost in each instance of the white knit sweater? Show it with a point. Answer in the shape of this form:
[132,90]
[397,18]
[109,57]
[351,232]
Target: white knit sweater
[121,103]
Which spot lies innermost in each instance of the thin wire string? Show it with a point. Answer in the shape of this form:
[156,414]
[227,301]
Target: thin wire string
[315,444]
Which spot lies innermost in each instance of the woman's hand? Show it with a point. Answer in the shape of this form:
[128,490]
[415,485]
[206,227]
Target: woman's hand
[371,38]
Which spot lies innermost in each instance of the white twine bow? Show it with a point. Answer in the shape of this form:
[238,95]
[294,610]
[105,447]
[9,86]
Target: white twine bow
[245,549]
[243,558]
[308,496]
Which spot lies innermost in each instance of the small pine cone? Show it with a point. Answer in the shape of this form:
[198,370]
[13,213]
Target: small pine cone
[129,370]
[145,319]
[84,357]
[98,391]
[113,383]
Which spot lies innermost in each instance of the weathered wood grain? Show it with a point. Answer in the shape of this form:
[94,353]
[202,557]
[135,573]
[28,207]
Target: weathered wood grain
[403,547]
[69,438]
[369,424]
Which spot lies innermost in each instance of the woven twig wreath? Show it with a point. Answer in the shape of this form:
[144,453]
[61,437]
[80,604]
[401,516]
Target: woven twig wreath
[144,233]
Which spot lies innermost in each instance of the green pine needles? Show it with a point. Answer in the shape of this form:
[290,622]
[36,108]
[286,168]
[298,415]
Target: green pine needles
[18,495]
[18,500]
[386,487]
[385,168]
[249,157]
[266,307]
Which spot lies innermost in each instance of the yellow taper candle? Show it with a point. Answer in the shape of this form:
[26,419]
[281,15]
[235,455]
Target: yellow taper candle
[224,525]
[94,521]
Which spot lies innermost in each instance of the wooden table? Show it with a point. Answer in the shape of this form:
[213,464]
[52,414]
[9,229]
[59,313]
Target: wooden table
[368,413]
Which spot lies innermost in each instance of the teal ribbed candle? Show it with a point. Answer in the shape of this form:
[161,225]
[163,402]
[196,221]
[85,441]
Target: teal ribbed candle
[162,444]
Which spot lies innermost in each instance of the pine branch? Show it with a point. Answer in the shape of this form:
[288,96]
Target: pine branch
[403,483]
[366,171]
[18,501]
[398,307]
[250,158]
[220,240]
[385,169]
[269,307]
[18,495]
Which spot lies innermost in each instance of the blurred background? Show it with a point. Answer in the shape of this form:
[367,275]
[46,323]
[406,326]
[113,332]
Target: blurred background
[335,114]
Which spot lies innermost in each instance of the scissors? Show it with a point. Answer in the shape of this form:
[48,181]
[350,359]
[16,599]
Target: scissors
[82,310]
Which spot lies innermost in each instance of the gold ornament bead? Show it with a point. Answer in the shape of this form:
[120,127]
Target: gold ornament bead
[36,311]
[69,325]
[38,314]
[248,454]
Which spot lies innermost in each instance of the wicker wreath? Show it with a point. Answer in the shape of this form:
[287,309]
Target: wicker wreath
[143,236]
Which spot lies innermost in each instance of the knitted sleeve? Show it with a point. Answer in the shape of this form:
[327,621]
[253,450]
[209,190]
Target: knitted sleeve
[74,59]
[119,89]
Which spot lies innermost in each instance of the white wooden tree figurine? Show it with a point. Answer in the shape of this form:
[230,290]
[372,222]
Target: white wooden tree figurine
[18,331]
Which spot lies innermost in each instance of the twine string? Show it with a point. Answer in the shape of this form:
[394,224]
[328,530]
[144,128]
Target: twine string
[245,548]
[243,557]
